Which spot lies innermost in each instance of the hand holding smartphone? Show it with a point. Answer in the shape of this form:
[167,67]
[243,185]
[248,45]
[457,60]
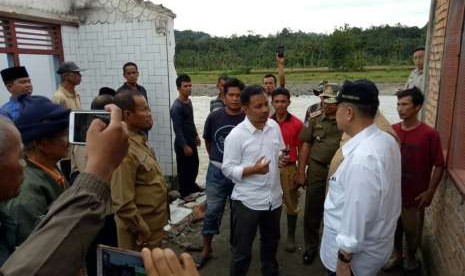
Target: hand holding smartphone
[79,122]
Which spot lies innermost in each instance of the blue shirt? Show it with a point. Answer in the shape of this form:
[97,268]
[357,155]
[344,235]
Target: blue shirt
[10,109]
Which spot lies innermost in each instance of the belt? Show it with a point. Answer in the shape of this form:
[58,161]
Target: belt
[216,164]
[320,163]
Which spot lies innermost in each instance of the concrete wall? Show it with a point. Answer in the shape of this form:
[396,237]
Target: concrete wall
[103,35]
[444,231]
[102,49]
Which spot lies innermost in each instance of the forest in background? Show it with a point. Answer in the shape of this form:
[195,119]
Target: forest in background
[345,49]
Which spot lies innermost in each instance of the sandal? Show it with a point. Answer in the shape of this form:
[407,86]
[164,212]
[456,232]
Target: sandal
[202,261]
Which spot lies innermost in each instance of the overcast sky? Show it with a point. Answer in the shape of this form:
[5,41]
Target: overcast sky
[225,18]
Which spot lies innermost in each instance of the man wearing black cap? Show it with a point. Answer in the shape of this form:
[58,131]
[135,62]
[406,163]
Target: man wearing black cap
[43,127]
[68,97]
[17,82]
[364,197]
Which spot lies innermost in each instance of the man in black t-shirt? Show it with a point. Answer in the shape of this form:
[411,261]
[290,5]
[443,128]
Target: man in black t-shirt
[186,138]
[218,188]
[131,74]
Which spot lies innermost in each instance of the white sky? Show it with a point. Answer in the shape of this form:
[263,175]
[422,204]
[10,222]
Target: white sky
[227,17]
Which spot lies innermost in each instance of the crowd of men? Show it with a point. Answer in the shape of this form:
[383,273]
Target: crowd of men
[367,181]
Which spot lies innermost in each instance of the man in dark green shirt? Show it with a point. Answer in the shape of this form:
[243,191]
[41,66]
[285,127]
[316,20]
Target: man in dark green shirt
[57,246]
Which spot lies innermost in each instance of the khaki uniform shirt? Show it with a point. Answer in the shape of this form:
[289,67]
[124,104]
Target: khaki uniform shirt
[324,137]
[380,121]
[139,191]
[72,101]
[67,99]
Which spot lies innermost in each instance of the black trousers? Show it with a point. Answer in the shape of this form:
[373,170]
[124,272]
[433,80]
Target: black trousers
[244,223]
[187,168]
[106,236]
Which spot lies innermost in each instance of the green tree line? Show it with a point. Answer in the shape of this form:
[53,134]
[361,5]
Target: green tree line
[346,48]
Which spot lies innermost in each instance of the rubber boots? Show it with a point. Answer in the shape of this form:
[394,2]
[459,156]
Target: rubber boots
[291,225]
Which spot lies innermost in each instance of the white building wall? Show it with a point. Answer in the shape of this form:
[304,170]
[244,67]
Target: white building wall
[102,49]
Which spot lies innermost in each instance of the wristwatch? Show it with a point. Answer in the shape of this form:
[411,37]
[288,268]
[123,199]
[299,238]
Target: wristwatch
[342,256]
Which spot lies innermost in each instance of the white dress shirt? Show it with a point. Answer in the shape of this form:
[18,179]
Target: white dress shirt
[416,79]
[244,145]
[363,202]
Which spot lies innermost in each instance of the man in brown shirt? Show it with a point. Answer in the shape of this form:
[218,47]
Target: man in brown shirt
[67,96]
[139,191]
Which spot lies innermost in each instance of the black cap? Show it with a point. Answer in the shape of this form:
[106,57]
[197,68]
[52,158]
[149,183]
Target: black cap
[106,91]
[359,92]
[68,67]
[39,117]
[12,73]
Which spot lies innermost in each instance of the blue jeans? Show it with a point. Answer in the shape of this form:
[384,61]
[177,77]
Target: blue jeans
[218,189]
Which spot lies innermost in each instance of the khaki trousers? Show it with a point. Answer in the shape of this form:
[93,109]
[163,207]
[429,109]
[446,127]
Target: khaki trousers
[290,192]
[128,240]
[411,224]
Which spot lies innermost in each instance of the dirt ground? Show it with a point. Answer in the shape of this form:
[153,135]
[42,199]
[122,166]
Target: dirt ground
[290,263]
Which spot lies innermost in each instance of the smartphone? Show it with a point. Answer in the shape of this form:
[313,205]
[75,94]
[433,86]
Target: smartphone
[79,122]
[116,261]
[280,51]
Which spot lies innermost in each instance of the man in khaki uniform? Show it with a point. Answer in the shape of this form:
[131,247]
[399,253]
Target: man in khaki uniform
[139,191]
[67,96]
[380,121]
[321,139]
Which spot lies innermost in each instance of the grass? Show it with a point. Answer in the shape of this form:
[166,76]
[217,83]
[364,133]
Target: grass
[378,74]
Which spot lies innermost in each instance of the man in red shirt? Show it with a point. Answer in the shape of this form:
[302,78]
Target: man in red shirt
[422,168]
[290,129]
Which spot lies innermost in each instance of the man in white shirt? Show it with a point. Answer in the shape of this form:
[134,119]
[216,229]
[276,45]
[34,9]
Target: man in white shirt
[364,195]
[417,78]
[250,160]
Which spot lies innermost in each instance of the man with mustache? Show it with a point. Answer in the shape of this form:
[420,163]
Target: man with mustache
[251,160]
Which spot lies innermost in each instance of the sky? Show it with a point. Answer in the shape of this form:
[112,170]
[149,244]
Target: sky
[225,18]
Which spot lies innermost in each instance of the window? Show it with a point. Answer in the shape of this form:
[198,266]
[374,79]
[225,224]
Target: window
[37,46]
[25,37]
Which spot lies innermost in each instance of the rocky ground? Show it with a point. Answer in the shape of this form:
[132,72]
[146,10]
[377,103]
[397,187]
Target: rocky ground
[290,263]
